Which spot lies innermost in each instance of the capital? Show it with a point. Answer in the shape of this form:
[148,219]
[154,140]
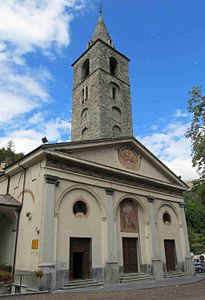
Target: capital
[181,205]
[151,199]
[109,191]
[51,179]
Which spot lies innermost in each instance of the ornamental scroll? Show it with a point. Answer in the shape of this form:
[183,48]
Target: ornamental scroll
[129,217]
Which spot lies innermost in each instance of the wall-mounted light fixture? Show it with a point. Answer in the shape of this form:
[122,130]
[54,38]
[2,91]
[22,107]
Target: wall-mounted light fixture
[37,230]
[29,215]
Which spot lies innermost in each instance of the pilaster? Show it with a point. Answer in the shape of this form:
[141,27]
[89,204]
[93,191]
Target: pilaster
[156,259]
[47,259]
[112,267]
[189,269]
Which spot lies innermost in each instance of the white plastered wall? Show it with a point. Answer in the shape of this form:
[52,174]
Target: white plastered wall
[71,225]
[109,156]
[3,185]
[169,231]
[27,259]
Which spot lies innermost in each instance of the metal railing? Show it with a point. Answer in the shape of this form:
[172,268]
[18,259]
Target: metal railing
[25,283]
[5,286]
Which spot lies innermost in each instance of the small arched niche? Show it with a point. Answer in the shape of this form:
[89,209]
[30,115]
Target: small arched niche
[114,91]
[116,113]
[85,133]
[84,115]
[116,131]
[113,66]
[85,69]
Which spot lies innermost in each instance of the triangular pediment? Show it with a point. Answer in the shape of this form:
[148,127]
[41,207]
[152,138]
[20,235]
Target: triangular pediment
[127,155]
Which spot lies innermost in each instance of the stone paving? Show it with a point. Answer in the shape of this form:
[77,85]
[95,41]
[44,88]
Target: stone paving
[176,289]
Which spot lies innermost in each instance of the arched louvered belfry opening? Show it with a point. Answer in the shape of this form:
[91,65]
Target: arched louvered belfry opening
[113,66]
[85,69]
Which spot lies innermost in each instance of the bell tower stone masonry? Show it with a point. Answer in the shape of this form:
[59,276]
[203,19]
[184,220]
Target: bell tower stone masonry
[101,105]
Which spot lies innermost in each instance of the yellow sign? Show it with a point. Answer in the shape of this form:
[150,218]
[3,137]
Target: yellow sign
[34,244]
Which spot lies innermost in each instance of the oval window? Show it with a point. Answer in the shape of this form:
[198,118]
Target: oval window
[80,207]
[166,218]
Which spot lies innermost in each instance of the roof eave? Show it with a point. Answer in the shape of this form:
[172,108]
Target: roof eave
[92,46]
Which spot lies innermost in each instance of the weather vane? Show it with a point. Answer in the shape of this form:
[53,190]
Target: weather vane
[100,7]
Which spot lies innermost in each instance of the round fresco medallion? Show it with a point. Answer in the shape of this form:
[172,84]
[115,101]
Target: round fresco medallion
[129,159]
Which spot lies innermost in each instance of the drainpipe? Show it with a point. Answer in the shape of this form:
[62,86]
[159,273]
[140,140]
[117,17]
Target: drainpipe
[18,221]
[8,184]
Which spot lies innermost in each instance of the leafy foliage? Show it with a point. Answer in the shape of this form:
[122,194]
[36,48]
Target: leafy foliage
[195,200]
[8,155]
[196,106]
[39,273]
[6,267]
[195,216]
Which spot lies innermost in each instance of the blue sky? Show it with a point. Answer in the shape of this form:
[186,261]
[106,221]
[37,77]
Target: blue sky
[39,41]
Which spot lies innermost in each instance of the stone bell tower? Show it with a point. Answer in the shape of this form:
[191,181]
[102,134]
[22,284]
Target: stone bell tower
[101,105]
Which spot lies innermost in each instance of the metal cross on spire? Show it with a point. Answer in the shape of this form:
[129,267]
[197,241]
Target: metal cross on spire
[101,7]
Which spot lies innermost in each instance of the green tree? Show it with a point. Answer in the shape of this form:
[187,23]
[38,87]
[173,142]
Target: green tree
[195,217]
[8,155]
[195,199]
[196,131]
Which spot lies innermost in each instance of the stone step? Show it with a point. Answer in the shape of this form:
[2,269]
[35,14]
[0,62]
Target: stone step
[174,274]
[135,277]
[80,281]
[79,284]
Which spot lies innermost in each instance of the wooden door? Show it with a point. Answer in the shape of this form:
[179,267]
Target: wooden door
[130,255]
[80,258]
[170,254]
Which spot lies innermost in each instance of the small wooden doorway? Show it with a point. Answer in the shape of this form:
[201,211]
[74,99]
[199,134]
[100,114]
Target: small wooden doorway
[80,258]
[170,254]
[130,255]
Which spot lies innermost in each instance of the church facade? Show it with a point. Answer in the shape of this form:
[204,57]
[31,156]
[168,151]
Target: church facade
[102,206]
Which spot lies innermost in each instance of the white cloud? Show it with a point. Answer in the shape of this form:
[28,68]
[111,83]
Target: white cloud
[26,140]
[12,105]
[21,93]
[173,149]
[180,114]
[55,128]
[36,118]
[27,26]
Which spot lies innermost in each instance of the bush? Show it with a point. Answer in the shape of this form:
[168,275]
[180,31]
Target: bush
[5,275]
[6,268]
[39,273]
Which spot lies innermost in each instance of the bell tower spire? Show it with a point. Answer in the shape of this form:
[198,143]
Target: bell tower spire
[100,7]
[101,31]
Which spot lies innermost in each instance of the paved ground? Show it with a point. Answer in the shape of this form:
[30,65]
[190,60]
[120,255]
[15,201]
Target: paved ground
[168,289]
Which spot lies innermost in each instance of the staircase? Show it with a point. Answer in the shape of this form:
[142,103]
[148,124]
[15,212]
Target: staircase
[173,274]
[135,277]
[79,284]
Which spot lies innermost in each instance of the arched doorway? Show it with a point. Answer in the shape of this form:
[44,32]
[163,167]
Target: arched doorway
[79,235]
[132,231]
[129,224]
[8,229]
[170,238]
